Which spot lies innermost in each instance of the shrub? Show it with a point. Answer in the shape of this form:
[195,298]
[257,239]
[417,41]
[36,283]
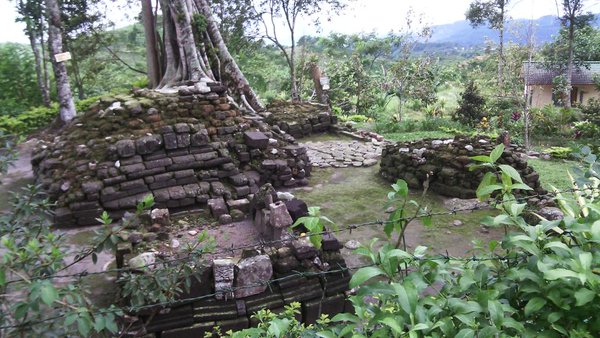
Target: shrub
[471,106]
[591,111]
[587,129]
[559,152]
[85,104]
[26,123]
[551,120]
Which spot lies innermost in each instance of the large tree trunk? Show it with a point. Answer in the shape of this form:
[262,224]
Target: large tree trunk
[182,60]
[65,98]
[152,59]
[236,80]
[38,65]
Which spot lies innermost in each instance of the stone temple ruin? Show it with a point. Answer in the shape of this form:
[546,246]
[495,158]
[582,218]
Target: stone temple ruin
[227,291]
[191,148]
[188,148]
[443,165]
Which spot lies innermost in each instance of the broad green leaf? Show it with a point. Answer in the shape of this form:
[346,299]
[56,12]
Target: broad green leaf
[2,277]
[586,260]
[559,274]
[393,323]
[420,327]
[521,186]
[401,187]
[557,246]
[48,293]
[364,274]
[512,172]
[403,298]
[554,316]
[496,312]
[496,153]
[595,230]
[278,327]
[326,334]
[345,317]
[584,296]
[487,190]
[482,158]
[21,310]
[465,333]
[83,326]
[517,208]
[534,305]
[99,323]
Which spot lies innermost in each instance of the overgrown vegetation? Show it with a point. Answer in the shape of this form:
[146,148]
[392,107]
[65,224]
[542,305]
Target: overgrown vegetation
[540,280]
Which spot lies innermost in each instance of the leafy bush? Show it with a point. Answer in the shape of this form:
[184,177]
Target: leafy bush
[559,152]
[587,129]
[552,121]
[591,111]
[539,281]
[471,106]
[85,104]
[28,122]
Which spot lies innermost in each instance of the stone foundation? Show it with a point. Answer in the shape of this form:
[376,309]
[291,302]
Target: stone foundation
[188,148]
[443,164]
[228,291]
[299,119]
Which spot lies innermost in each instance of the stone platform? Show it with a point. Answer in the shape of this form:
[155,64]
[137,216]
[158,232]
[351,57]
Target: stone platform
[343,154]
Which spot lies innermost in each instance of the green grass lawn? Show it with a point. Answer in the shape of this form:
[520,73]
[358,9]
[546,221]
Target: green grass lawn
[417,135]
[553,173]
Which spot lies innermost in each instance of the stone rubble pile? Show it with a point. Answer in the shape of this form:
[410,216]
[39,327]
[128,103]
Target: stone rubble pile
[268,277]
[188,148]
[299,119]
[443,165]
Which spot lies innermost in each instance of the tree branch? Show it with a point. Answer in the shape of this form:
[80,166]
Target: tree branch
[123,61]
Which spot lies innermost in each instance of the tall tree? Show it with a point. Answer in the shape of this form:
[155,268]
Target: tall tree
[65,97]
[192,48]
[289,11]
[572,19]
[31,12]
[494,13]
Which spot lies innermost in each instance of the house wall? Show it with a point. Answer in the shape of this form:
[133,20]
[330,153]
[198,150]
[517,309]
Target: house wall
[542,94]
[589,91]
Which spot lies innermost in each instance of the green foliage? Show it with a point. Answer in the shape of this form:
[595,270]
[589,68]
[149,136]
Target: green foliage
[164,281]
[559,152]
[591,111]
[553,121]
[32,253]
[314,223]
[18,86]
[472,106]
[30,121]
[281,325]
[85,104]
[545,284]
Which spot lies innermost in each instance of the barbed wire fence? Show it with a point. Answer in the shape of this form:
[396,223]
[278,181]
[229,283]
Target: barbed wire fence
[262,244]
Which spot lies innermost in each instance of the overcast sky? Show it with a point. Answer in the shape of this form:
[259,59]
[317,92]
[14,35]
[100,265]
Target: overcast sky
[379,16]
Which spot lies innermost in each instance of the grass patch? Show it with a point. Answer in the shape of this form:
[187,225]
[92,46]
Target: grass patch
[358,195]
[416,135]
[553,173]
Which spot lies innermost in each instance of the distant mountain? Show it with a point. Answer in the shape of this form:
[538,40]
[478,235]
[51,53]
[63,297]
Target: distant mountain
[461,33]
